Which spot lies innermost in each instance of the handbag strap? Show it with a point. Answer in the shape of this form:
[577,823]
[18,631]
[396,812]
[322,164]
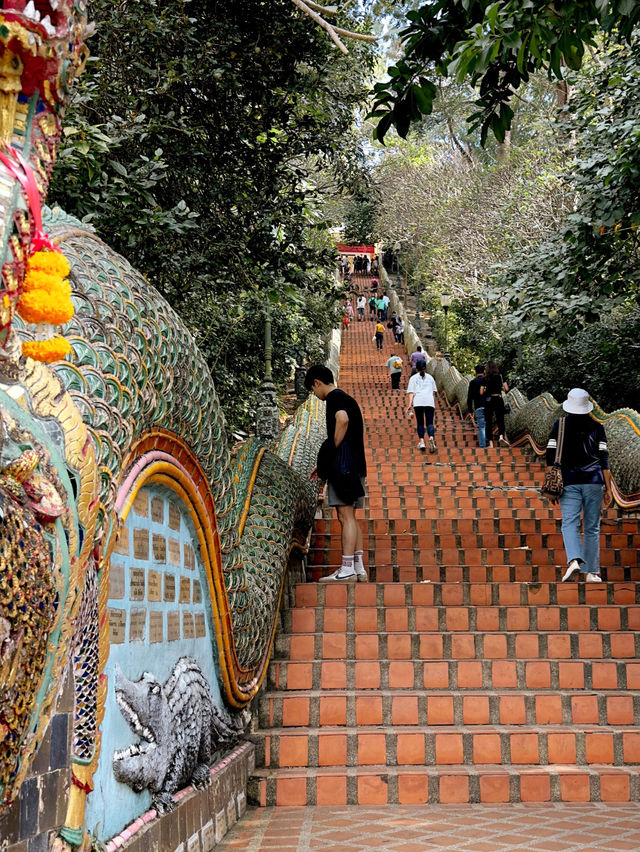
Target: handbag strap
[561,426]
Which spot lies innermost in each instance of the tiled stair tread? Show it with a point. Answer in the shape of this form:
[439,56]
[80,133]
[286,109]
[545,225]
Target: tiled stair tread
[431,712]
[426,693]
[426,730]
[453,620]
[453,785]
[477,573]
[311,595]
[463,673]
[511,641]
[442,769]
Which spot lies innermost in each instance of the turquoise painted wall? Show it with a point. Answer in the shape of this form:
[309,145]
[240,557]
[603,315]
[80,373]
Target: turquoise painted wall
[157,556]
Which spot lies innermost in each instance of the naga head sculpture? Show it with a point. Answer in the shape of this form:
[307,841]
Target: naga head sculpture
[42,51]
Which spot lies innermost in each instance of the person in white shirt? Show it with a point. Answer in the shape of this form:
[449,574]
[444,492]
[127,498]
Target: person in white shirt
[361,304]
[421,391]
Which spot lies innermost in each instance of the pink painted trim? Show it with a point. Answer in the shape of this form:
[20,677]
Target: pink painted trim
[131,830]
[143,462]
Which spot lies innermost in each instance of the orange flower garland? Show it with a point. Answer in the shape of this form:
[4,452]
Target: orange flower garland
[46,301]
[50,350]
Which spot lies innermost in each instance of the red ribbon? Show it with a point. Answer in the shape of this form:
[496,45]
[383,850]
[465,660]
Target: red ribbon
[17,166]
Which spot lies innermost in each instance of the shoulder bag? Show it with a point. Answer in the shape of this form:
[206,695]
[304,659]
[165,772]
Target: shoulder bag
[553,486]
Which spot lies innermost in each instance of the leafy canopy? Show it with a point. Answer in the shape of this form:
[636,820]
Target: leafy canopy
[496,46]
[198,146]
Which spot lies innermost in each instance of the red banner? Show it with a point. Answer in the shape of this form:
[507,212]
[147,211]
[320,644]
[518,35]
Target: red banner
[344,249]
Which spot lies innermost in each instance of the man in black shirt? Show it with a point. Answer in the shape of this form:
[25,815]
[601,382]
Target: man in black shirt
[476,403]
[343,462]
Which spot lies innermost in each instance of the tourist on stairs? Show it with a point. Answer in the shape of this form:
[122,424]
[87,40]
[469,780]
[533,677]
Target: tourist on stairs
[587,484]
[476,401]
[494,384]
[342,463]
[416,356]
[421,391]
[379,335]
[395,370]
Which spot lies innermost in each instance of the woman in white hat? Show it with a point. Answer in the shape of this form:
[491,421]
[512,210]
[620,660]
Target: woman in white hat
[587,484]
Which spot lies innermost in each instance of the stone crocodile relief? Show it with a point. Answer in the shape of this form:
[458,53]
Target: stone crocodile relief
[180,729]
[130,535]
[530,421]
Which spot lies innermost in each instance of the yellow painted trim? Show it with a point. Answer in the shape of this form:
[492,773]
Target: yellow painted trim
[293,446]
[252,482]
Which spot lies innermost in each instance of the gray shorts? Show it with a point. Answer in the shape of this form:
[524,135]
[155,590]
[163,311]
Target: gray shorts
[334,500]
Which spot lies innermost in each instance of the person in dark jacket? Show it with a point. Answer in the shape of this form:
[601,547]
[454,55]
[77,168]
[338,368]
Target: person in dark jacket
[344,424]
[587,484]
[476,400]
[494,384]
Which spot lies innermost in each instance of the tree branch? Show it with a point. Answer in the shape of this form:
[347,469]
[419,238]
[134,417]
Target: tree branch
[311,9]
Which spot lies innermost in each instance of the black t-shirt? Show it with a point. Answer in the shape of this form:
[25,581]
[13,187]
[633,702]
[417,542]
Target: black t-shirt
[475,399]
[336,401]
[493,383]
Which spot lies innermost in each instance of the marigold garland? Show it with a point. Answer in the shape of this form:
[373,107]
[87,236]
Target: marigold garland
[46,299]
[53,349]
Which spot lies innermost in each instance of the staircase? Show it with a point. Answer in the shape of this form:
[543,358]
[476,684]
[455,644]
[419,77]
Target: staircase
[464,672]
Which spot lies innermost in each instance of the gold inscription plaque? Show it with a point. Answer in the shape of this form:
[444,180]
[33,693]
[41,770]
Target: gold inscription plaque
[174,517]
[136,584]
[174,551]
[169,587]
[122,542]
[189,557]
[197,592]
[141,503]
[153,586]
[185,590]
[187,626]
[200,628]
[156,631]
[137,625]
[157,510]
[159,548]
[141,544]
[117,622]
[116,581]
[173,626]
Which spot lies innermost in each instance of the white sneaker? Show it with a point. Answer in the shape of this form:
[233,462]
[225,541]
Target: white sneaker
[361,574]
[432,444]
[340,576]
[593,578]
[421,444]
[574,566]
[503,441]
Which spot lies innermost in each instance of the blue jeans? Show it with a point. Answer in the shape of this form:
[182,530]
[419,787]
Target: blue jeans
[588,500]
[481,424]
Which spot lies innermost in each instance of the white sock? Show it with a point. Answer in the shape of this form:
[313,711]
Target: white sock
[358,557]
[347,565]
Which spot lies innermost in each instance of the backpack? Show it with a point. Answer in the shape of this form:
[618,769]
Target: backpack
[397,364]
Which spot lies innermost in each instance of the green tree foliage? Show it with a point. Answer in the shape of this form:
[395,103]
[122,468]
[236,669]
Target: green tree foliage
[497,47]
[195,146]
[580,289]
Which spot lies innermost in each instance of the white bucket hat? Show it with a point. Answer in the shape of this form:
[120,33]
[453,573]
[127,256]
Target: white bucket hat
[577,402]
